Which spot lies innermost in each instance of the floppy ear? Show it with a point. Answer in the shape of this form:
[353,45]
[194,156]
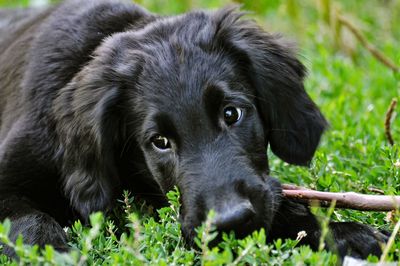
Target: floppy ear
[292,122]
[89,117]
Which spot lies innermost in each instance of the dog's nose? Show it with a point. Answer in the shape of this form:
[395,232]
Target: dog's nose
[232,218]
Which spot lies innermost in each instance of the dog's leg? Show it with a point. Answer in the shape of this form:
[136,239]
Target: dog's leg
[358,240]
[35,226]
[27,181]
[345,238]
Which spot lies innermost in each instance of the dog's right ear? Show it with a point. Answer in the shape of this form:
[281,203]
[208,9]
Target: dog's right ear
[293,124]
[89,114]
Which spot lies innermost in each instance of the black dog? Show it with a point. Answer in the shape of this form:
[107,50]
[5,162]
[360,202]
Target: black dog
[100,96]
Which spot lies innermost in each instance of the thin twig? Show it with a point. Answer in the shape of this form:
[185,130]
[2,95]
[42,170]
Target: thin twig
[376,190]
[347,200]
[388,121]
[364,42]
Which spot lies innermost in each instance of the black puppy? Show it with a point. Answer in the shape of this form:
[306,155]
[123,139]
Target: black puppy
[100,96]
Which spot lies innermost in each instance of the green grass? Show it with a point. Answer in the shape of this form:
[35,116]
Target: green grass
[353,90]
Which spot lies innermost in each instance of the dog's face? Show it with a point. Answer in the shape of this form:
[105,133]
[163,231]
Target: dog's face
[208,93]
[201,131]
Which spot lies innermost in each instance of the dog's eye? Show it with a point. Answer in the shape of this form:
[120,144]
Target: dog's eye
[232,115]
[161,142]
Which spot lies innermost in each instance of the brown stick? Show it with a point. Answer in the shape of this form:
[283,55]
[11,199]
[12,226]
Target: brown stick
[347,200]
[388,121]
[376,190]
[293,187]
[371,48]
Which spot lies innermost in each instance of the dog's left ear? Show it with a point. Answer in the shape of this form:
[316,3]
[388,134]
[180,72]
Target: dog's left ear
[293,124]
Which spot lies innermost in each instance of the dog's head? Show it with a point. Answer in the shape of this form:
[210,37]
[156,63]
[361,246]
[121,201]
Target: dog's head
[204,95]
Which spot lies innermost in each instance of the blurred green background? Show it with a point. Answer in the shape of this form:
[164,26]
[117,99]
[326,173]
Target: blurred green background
[351,86]
[313,20]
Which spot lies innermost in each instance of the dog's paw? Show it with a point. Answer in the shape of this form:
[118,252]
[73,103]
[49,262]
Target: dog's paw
[358,240]
[37,228]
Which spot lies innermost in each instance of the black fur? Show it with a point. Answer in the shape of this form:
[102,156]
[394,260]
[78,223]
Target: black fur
[84,87]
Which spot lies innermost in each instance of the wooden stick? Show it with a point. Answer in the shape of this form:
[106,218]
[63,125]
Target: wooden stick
[388,121]
[346,200]
[364,42]
[376,190]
